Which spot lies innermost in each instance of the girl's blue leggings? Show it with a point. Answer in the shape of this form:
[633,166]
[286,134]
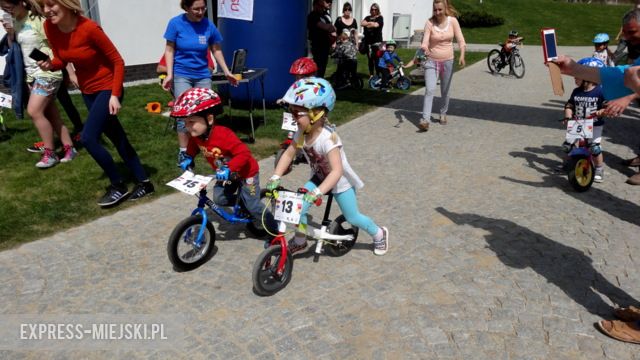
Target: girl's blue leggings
[100,121]
[349,206]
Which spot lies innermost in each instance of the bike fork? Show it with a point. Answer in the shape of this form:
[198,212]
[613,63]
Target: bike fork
[203,213]
[319,244]
[284,252]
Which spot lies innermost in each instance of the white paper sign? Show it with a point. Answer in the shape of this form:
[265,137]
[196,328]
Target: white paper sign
[579,129]
[189,183]
[288,122]
[288,207]
[236,9]
[5,100]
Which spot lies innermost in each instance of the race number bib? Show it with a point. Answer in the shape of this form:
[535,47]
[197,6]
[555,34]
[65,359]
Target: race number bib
[579,129]
[5,100]
[189,183]
[288,122]
[288,207]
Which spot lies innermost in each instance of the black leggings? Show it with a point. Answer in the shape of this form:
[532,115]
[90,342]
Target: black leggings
[69,107]
[386,76]
[372,59]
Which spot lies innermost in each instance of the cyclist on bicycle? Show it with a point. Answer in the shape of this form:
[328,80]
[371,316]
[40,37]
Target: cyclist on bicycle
[586,99]
[386,63]
[513,40]
[310,100]
[217,143]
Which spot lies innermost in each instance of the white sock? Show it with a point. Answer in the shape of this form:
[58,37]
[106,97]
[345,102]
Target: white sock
[378,236]
[183,149]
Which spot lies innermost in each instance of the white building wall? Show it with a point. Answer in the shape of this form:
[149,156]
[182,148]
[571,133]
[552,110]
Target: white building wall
[420,11]
[137,27]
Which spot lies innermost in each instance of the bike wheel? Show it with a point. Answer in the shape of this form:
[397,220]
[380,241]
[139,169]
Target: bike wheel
[375,82]
[403,83]
[183,253]
[266,280]
[581,173]
[493,61]
[277,159]
[517,66]
[340,226]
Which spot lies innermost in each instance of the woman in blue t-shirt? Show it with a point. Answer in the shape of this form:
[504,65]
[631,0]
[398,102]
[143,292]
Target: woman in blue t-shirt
[189,36]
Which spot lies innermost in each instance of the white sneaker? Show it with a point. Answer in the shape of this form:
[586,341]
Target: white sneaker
[599,176]
[382,246]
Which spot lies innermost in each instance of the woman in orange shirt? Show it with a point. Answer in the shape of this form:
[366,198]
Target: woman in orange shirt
[100,72]
[437,44]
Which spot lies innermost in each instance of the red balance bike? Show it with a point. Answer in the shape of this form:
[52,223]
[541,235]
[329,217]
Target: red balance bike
[273,267]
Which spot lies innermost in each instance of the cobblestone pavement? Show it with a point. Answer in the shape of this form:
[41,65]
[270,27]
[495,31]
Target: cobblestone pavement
[492,254]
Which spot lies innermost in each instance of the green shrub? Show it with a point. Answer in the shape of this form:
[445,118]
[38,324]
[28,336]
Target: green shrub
[475,19]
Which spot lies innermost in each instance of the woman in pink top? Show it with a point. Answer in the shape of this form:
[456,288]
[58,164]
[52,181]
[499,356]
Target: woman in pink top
[437,44]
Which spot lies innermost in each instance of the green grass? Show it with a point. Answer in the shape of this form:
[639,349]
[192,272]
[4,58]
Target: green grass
[575,23]
[36,203]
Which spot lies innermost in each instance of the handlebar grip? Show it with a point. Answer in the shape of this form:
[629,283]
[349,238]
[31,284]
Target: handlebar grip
[318,202]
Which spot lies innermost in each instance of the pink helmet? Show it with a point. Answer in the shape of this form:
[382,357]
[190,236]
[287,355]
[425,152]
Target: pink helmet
[303,66]
[194,101]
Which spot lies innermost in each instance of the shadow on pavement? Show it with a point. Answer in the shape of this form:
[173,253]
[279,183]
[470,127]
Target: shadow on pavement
[567,268]
[621,131]
[620,208]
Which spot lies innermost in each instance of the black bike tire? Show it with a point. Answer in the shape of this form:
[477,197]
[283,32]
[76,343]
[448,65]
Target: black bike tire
[265,282]
[374,82]
[334,249]
[514,58]
[490,64]
[403,83]
[176,237]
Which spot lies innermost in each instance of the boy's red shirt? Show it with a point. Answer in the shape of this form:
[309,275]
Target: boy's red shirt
[97,62]
[222,142]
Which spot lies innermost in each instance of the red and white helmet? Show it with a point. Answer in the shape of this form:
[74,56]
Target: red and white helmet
[194,101]
[303,66]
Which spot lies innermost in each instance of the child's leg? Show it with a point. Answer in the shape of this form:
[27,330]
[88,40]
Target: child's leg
[225,195]
[352,68]
[52,113]
[301,231]
[596,149]
[348,204]
[349,207]
[250,195]
[386,74]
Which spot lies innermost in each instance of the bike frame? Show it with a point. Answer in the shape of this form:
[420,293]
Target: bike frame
[234,218]
[320,235]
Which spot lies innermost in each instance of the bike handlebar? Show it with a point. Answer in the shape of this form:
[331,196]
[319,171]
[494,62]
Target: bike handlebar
[274,194]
